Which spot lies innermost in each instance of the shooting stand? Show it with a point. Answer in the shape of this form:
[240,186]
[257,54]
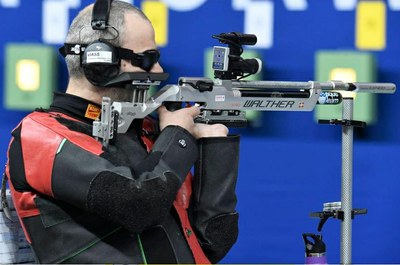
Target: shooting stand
[344,210]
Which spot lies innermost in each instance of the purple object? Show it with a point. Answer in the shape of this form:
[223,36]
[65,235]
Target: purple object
[316,260]
[315,249]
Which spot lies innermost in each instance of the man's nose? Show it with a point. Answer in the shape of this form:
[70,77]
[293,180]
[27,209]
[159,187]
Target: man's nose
[157,68]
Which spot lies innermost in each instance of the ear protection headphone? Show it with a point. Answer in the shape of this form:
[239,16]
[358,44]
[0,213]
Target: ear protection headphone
[100,60]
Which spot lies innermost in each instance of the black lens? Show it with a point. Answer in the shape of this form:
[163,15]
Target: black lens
[146,60]
[149,59]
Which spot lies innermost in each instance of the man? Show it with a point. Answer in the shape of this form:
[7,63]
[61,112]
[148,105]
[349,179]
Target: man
[133,202]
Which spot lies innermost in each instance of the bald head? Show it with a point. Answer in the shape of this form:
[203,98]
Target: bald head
[81,31]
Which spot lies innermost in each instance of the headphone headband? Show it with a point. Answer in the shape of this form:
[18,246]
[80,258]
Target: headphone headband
[77,49]
[72,49]
[101,10]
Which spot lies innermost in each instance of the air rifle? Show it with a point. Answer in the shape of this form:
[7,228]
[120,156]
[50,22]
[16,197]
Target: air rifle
[224,99]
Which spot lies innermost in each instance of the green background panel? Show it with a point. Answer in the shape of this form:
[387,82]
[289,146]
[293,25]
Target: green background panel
[17,99]
[363,64]
[254,117]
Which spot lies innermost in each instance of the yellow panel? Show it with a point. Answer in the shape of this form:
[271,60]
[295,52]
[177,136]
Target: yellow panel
[371,25]
[157,12]
[27,75]
[344,74]
[347,75]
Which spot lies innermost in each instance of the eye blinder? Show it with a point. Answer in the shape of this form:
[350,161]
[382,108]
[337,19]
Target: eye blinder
[145,60]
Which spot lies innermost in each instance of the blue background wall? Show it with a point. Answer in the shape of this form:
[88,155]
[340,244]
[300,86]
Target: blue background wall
[291,165]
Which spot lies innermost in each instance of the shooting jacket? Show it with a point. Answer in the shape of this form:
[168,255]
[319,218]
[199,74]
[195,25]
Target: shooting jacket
[133,202]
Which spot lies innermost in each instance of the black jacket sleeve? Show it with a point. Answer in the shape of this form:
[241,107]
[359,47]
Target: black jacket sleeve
[136,196]
[214,199]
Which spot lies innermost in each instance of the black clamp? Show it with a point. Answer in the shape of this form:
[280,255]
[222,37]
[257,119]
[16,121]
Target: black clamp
[338,214]
[360,124]
[201,85]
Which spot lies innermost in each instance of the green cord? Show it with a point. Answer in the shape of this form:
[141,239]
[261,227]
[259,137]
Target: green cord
[88,246]
[141,249]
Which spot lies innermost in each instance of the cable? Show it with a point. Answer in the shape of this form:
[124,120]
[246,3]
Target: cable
[141,249]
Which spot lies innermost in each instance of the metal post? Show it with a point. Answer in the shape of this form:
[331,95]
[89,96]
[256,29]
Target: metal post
[347,182]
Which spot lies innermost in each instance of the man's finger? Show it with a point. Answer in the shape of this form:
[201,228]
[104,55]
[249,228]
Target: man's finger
[162,109]
[192,111]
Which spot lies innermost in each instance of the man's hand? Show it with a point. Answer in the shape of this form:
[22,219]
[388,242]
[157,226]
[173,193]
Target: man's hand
[185,119]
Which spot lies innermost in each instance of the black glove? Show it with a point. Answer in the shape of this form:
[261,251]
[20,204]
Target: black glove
[214,199]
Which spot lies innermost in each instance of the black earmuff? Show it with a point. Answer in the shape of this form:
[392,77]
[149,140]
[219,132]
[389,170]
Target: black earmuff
[99,60]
